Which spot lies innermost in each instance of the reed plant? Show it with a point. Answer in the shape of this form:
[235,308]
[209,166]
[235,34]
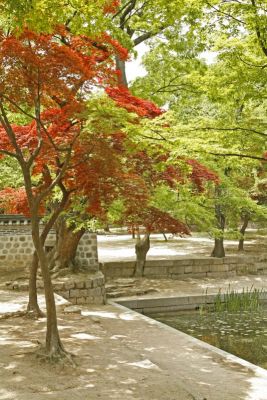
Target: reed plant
[248,300]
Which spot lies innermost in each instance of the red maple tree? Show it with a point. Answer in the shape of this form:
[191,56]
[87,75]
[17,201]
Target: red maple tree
[45,81]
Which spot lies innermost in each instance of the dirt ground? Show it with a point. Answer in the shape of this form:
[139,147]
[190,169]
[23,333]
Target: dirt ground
[117,359]
[110,364]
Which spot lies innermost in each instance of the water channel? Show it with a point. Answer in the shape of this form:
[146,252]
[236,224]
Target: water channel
[243,334]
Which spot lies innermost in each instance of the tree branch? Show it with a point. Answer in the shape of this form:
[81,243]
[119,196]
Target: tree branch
[238,155]
[231,129]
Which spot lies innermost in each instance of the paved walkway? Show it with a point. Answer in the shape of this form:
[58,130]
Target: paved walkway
[123,355]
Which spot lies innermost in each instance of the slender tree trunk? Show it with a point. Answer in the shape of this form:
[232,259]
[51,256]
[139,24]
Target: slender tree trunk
[33,306]
[107,229]
[218,250]
[141,249]
[53,347]
[165,237]
[64,252]
[242,231]
[120,66]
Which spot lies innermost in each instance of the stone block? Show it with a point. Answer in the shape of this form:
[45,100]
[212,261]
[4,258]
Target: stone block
[162,271]
[201,261]
[260,265]
[74,293]
[58,286]
[230,260]
[241,269]
[200,268]
[101,281]
[88,284]
[219,268]
[252,269]
[177,270]
[159,263]
[215,260]
[89,299]
[65,294]
[188,269]
[83,292]
[69,285]
[79,285]
[95,292]
[182,262]
[81,300]
[199,275]
[98,300]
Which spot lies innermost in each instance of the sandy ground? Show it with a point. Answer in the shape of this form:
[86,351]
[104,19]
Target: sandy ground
[121,247]
[120,355]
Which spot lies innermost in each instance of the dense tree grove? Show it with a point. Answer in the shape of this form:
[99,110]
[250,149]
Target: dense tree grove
[82,143]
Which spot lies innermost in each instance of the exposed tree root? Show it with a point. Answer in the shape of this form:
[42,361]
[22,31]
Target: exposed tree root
[35,313]
[58,356]
[13,314]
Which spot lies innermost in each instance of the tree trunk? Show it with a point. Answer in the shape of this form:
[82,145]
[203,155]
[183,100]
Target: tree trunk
[63,255]
[141,249]
[218,250]
[53,347]
[33,307]
[165,237]
[120,66]
[107,229]
[242,231]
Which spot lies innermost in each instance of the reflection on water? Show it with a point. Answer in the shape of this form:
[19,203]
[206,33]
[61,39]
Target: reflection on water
[243,334]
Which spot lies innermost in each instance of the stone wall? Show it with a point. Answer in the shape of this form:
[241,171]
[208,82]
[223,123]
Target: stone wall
[78,288]
[181,268]
[16,247]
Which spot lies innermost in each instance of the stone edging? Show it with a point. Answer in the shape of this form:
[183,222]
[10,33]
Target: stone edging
[198,267]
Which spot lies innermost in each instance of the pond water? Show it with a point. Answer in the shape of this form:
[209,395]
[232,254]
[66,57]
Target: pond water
[242,334]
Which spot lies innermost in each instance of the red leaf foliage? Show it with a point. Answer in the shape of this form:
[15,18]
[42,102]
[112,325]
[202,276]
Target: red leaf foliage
[13,201]
[154,220]
[123,97]
[58,64]
[201,174]
[111,6]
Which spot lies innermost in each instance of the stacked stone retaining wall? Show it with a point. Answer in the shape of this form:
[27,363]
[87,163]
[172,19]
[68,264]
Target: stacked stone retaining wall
[181,268]
[80,289]
[16,250]
[16,246]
